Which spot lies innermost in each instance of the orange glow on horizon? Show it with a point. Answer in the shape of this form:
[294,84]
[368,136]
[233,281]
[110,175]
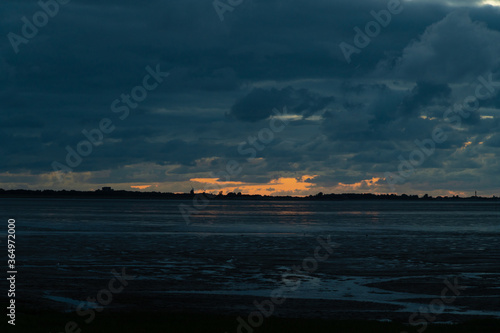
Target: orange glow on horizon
[366,184]
[141,187]
[459,193]
[280,186]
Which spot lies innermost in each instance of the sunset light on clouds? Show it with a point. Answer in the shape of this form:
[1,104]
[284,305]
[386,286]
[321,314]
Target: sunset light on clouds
[491,3]
[280,186]
[141,187]
[301,186]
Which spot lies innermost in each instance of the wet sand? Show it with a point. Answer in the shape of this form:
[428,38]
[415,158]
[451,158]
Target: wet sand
[225,274]
[390,263]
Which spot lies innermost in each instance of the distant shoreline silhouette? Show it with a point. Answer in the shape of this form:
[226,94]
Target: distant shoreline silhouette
[108,193]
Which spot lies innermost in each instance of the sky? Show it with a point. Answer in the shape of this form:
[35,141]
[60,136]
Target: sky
[272,97]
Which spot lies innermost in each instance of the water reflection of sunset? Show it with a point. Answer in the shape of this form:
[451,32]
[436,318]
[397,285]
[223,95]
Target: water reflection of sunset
[371,215]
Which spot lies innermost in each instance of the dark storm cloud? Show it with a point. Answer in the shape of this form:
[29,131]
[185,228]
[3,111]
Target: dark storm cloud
[453,49]
[259,103]
[493,141]
[424,94]
[265,55]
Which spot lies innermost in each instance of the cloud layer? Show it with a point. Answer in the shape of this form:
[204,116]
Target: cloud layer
[347,125]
